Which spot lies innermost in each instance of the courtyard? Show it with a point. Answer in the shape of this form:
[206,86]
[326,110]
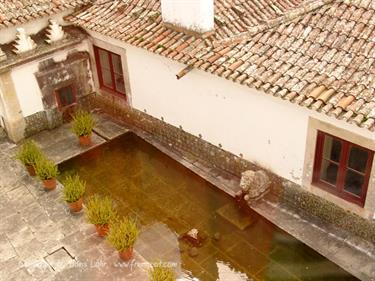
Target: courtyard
[42,240]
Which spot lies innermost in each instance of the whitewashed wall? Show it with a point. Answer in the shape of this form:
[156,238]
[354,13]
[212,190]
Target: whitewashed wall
[26,85]
[9,34]
[264,129]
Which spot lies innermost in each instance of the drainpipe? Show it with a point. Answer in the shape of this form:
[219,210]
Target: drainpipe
[183,72]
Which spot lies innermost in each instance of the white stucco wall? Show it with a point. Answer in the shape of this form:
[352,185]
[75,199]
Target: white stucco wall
[26,85]
[264,129]
[9,34]
[195,15]
[241,119]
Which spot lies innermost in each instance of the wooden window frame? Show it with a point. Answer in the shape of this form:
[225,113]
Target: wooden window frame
[338,189]
[58,100]
[100,73]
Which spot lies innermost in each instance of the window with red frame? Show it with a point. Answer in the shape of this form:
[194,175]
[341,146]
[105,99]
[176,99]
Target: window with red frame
[110,73]
[342,168]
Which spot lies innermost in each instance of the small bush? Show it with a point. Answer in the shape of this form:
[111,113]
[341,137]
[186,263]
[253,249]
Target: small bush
[29,153]
[159,272]
[100,210]
[83,123]
[46,169]
[123,234]
[74,188]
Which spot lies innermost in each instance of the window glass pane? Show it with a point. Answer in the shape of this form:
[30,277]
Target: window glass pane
[107,78]
[66,96]
[353,182]
[328,172]
[104,59]
[120,86]
[332,149]
[116,61]
[358,159]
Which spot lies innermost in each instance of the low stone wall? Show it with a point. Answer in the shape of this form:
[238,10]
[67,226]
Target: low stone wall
[192,146]
[311,204]
[36,123]
[182,142]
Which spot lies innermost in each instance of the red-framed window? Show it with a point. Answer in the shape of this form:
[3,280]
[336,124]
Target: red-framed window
[342,168]
[110,74]
[66,96]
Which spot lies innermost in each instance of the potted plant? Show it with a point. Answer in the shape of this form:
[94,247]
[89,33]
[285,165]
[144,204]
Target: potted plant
[28,154]
[83,124]
[122,237]
[47,171]
[100,212]
[73,191]
[159,272]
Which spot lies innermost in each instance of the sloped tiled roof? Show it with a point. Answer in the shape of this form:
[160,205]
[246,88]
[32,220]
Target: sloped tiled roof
[318,54]
[13,12]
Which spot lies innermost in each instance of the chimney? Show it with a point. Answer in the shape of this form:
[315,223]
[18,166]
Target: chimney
[196,16]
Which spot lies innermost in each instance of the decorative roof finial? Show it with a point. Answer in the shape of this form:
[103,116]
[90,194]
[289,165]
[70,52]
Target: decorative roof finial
[54,32]
[23,43]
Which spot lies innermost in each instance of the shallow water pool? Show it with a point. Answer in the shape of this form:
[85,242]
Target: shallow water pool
[168,200]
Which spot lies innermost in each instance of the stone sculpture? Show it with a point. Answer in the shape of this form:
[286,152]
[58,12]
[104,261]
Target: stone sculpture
[54,32]
[254,184]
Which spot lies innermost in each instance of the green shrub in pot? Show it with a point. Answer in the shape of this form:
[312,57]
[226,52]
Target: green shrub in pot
[100,211]
[73,191]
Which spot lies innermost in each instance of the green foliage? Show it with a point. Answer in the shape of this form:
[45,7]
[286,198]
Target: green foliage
[74,188]
[83,123]
[29,153]
[123,234]
[46,169]
[100,210]
[160,272]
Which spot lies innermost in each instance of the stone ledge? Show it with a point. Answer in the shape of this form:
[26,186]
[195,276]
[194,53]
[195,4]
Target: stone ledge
[74,36]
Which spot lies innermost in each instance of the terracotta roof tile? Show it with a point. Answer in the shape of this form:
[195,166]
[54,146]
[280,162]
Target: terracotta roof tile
[21,11]
[320,58]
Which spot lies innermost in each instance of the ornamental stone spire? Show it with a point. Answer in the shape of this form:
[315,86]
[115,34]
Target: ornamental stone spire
[23,42]
[54,32]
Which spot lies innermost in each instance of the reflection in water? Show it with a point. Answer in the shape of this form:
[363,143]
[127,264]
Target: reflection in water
[168,200]
[227,273]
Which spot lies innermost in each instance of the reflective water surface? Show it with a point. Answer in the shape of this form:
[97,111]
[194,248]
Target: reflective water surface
[170,200]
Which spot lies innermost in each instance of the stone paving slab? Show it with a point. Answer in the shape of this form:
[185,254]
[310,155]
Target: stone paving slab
[61,144]
[107,127]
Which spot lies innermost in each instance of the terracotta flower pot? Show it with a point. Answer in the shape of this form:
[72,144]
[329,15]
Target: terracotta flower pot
[126,255]
[76,206]
[49,184]
[85,140]
[102,230]
[31,170]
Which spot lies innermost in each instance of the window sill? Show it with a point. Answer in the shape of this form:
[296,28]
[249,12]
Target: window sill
[346,205]
[113,93]
[342,195]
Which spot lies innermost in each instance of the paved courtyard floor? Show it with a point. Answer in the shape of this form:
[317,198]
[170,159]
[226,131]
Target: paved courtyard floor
[41,240]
